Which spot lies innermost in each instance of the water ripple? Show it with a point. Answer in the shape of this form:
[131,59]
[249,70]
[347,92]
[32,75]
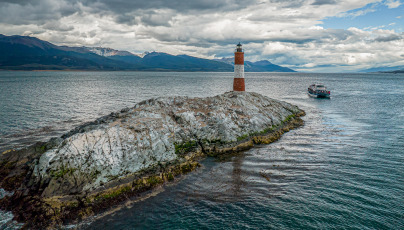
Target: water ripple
[342,170]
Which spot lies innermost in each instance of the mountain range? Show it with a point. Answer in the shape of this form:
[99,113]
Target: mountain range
[259,66]
[384,69]
[30,53]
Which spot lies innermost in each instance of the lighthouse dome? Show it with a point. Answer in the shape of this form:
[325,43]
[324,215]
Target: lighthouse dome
[239,48]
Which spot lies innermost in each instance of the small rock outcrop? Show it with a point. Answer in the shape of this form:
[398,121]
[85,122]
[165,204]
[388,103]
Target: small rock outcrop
[125,153]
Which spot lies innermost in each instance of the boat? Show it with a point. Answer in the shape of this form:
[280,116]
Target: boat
[319,91]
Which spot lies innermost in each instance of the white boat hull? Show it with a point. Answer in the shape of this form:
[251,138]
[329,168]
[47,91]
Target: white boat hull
[319,95]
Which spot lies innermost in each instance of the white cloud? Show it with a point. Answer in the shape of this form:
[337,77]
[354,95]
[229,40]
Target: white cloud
[393,4]
[357,13]
[277,48]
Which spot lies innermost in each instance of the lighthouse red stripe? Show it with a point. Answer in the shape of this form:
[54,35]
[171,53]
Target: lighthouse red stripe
[238,84]
[239,58]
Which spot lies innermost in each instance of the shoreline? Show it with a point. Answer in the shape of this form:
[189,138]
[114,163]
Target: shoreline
[153,70]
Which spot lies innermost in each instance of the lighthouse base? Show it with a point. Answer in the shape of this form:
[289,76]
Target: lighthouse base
[238,84]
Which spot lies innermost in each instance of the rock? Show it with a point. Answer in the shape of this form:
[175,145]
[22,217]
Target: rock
[138,148]
[54,142]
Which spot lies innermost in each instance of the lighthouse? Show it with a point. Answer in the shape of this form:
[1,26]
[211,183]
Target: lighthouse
[238,83]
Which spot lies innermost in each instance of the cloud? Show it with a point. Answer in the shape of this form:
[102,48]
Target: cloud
[121,6]
[324,2]
[57,26]
[19,2]
[36,12]
[389,38]
[357,13]
[286,32]
[393,4]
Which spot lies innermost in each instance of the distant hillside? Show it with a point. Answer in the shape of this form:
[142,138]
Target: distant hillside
[393,71]
[158,61]
[397,71]
[30,53]
[383,69]
[259,66]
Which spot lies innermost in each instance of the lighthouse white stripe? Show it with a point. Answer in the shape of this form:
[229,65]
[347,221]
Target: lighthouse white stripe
[238,71]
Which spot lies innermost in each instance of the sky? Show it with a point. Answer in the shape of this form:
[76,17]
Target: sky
[305,35]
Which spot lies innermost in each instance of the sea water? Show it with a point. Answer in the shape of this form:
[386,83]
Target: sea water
[343,169]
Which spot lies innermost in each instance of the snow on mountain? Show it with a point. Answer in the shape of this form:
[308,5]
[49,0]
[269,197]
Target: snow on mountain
[107,52]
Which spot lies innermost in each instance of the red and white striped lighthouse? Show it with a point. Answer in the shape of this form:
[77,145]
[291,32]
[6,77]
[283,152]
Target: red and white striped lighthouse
[238,83]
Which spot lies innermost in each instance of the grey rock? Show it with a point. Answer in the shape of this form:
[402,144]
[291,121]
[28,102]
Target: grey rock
[146,136]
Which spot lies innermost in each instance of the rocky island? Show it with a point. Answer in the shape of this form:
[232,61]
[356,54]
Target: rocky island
[124,154]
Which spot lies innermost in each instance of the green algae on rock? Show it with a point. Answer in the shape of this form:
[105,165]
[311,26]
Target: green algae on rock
[121,155]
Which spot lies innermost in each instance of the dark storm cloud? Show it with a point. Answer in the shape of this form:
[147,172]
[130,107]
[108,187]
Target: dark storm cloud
[36,12]
[120,6]
[147,12]
[128,19]
[290,3]
[146,17]
[392,37]
[19,2]
[156,19]
[57,26]
[324,2]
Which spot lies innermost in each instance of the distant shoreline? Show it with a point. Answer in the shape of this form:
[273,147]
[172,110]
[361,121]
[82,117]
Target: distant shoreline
[69,70]
[184,71]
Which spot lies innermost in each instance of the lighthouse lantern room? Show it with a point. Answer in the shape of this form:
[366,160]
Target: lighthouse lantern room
[238,83]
